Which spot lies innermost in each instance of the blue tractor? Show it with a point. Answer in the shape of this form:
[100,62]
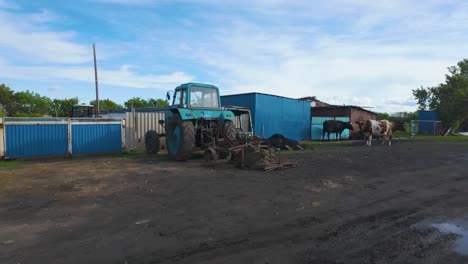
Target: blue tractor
[196,120]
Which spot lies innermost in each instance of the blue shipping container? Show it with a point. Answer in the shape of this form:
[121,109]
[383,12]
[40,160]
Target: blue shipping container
[96,138]
[273,114]
[427,128]
[25,140]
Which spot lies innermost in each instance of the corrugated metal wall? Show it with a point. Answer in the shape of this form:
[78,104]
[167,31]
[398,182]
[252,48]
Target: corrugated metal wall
[244,100]
[274,114]
[138,123]
[96,138]
[317,127]
[289,117]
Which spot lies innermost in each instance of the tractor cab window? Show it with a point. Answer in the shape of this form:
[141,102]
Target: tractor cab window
[204,97]
[179,97]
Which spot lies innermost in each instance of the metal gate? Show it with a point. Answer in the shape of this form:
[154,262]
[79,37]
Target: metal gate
[317,127]
[26,137]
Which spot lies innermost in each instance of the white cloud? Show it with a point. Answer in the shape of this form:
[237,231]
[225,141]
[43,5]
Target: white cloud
[4,4]
[28,36]
[265,62]
[54,89]
[122,77]
[383,51]
[127,2]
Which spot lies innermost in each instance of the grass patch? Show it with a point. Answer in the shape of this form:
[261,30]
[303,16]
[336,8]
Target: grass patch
[9,163]
[401,134]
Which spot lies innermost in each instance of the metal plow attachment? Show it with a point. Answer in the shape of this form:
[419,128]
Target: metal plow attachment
[259,157]
[248,153]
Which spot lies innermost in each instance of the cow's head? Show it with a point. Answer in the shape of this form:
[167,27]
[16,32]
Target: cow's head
[349,126]
[361,124]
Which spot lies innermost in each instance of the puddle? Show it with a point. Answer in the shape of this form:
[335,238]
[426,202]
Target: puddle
[459,228]
[463,156]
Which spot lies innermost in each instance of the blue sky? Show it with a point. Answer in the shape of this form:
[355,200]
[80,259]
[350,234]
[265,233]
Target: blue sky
[368,53]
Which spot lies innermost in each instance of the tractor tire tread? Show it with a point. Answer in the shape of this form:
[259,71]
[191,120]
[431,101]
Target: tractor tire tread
[189,140]
[230,130]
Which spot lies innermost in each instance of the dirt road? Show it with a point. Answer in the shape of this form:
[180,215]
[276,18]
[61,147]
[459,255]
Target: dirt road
[343,204]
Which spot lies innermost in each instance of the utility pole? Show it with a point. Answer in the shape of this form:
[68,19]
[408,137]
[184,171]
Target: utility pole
[96,79]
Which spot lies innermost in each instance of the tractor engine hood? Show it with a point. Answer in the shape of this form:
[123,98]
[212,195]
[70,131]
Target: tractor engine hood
[214,114]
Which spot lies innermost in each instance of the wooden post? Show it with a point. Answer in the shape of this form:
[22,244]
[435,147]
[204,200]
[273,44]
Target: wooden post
[69,130]
[96,79]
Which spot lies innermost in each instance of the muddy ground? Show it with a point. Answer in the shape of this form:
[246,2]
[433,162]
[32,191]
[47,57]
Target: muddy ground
[343,204]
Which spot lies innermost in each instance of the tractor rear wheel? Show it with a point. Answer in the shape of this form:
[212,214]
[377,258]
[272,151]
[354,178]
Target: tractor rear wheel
[180,138]
[230,130]
[151,142]
[231,134]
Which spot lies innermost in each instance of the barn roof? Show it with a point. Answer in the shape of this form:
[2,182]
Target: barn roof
[344,107]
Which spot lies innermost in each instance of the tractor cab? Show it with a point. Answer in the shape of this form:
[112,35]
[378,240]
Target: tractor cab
[81,111]
[196,96]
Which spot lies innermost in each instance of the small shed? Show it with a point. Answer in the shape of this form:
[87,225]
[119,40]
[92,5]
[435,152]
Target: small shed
[427,122]
[348,113]
[273,114]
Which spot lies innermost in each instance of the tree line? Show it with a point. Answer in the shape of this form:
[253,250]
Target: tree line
[450,98]
[398,116]
[31,104]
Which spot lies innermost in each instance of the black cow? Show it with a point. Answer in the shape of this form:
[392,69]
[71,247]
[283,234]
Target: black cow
[337,127]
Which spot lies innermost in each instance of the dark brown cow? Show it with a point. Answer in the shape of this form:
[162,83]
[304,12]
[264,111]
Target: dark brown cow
[337,127]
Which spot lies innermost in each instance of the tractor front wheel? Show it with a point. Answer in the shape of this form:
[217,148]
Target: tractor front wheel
[180,138]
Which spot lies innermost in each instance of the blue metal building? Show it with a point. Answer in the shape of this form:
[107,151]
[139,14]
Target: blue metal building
[273,114]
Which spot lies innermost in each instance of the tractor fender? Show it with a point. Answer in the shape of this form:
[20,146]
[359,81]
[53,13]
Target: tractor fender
[226,115]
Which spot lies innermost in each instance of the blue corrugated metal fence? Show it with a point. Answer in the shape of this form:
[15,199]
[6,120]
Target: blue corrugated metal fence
[26,137]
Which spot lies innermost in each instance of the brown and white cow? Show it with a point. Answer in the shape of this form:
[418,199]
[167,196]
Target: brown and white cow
[377,128]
